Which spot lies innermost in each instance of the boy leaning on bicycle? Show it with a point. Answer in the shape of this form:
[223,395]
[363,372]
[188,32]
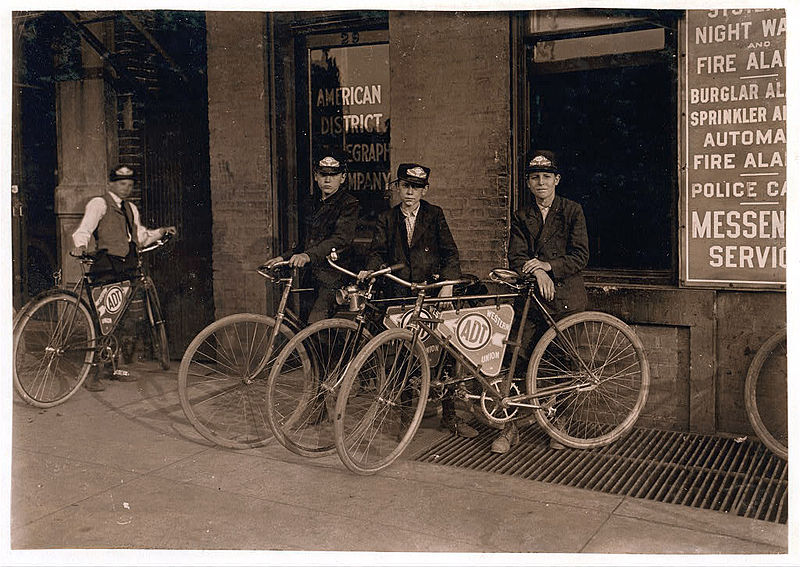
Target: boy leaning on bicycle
[549,240]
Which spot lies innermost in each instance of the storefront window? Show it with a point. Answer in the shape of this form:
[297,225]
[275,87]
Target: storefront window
[349,109]
[606,102]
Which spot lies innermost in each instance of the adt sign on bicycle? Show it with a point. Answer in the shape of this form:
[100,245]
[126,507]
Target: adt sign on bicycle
[109,300]
[480,334]
[399,316]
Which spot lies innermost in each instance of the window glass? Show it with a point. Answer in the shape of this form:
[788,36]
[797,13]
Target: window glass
[349,102]
[613,123]
[595,45]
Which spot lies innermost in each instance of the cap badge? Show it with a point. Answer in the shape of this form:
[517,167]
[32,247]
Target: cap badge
[417,172]
[541,161]
[124,171]
[328,162]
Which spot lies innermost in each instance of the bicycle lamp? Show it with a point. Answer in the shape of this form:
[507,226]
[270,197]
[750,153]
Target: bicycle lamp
[350,296]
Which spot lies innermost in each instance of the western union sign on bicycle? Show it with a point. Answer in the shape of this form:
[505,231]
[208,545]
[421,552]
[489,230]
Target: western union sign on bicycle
[480,334]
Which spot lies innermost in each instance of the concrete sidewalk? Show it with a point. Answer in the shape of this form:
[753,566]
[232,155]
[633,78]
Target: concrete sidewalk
[123,468]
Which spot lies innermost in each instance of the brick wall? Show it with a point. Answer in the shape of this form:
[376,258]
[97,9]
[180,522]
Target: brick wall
[450,108]
[239,149]
[667,350]
[745,322]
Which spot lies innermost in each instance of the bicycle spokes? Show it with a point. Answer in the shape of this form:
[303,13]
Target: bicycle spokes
[591,378]
[223,379]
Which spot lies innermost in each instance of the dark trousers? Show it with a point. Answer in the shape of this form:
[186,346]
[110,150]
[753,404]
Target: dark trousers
[110,268]
[536,325]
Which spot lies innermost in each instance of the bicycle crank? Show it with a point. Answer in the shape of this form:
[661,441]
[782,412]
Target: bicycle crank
[496,412]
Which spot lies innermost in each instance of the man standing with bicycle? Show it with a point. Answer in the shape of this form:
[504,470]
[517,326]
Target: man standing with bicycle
[548,240]
[115,225]
[330,221]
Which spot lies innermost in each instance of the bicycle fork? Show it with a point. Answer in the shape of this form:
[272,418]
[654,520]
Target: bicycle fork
[279,317]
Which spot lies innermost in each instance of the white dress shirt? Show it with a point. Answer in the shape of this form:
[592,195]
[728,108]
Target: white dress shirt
[96,208]
[411,221]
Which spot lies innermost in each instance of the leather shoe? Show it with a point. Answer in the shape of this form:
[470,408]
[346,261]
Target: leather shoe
[459,427]
[93,384]
[558,446]
[507,439]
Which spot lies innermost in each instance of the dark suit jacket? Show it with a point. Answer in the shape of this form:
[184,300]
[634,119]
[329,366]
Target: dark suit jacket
[562,241]
[432,251]
[328,224]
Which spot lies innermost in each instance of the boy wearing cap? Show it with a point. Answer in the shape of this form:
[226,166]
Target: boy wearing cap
[415,233]
[118,231]
[330,222]
[549,240]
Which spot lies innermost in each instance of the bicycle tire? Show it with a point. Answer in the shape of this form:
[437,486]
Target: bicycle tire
[222,379]
[379,410]
[595,414]
[766,381]
[303,383]
[158,328]
[53,341]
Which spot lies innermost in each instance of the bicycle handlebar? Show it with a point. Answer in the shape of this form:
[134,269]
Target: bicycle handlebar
[157,243]
[387,273]
[266,271]
[86,257]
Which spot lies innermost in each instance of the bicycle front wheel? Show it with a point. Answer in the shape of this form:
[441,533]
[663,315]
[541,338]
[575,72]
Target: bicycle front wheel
[54,341]
[222,380]
[304,381]
[765,389]
[158,329]
[593,379]
[381,401]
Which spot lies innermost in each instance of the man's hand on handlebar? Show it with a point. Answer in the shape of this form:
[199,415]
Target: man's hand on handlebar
[364,274]
[164,230]
[272,261]
[299,260]
[78,251]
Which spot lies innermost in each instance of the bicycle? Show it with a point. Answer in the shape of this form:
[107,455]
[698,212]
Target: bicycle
[306,374]
[586,382]
[61,334]
[222,379]
[765,387]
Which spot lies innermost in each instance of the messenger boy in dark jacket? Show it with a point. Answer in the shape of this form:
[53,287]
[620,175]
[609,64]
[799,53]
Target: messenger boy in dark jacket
[330,222]
[415,233]
[549,240]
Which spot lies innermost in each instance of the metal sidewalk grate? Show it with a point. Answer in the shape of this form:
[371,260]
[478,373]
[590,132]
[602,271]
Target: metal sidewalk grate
[713,473]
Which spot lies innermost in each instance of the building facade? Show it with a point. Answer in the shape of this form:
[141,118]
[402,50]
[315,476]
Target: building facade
[670,126]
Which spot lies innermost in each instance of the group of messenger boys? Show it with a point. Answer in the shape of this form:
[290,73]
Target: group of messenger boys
[548,240]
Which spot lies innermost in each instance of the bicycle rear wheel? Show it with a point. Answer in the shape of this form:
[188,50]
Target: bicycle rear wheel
[222,379]
[603,363]
[304,381]
[381,401]
[158,329]
[54,340]
[765,389]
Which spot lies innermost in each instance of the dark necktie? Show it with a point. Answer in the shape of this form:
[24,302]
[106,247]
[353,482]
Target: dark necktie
[126,211]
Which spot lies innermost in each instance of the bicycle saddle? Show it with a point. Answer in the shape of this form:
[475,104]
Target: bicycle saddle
[506,276]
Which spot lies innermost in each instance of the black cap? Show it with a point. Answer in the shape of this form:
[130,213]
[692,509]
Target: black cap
[541,160]
[413,173]
[331,162]
[120,172]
